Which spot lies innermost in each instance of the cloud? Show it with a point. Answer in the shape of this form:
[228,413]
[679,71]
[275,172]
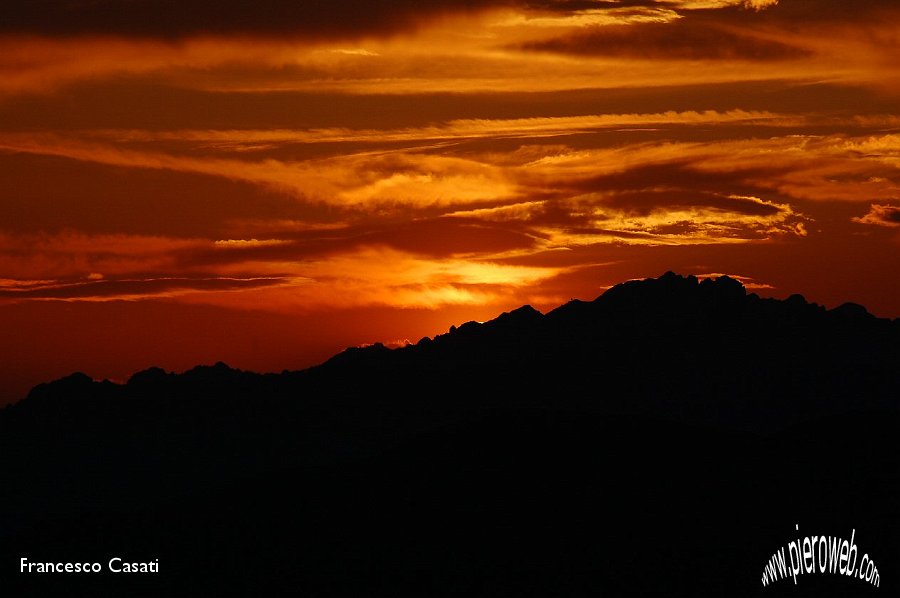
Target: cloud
[459,129]
[760,4]
[92,289]
[382,276]
[179,18]
[369,276]
[354,182]
[805,167]
[609,45]
[339,18]
[424,238]
[75,255]
[738,189]
[648,201]
[793,12]
[690,38]
[405,267]
[430,225]
[614,219]
[881,215]
[836,41]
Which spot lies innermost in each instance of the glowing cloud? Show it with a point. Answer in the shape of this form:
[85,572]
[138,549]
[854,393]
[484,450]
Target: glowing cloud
[881,215]
[307,161]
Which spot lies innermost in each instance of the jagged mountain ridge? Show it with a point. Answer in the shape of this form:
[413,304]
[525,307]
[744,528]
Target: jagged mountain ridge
[639,337]
[565,454]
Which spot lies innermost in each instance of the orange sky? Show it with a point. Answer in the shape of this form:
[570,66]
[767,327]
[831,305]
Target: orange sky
[266,183]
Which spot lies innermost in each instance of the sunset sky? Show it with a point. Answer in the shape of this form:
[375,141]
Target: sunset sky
[265,183]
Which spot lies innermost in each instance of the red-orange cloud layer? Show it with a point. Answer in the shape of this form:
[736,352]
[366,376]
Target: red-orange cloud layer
[363,171]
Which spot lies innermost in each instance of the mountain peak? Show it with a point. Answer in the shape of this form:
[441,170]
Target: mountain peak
[672,325]
[525,313]
[673,293]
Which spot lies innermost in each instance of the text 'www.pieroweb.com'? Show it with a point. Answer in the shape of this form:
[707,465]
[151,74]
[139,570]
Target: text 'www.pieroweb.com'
[821,554]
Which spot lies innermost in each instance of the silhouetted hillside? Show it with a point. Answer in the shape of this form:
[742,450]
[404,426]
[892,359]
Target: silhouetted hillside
[664,438]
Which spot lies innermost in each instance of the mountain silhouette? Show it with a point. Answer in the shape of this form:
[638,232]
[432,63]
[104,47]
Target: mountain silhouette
[665,438]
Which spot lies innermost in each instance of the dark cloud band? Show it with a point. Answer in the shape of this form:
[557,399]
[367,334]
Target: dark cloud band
[177,18]
[130,288]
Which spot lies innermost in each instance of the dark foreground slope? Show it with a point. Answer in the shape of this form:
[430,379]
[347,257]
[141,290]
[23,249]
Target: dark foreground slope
[664,439]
